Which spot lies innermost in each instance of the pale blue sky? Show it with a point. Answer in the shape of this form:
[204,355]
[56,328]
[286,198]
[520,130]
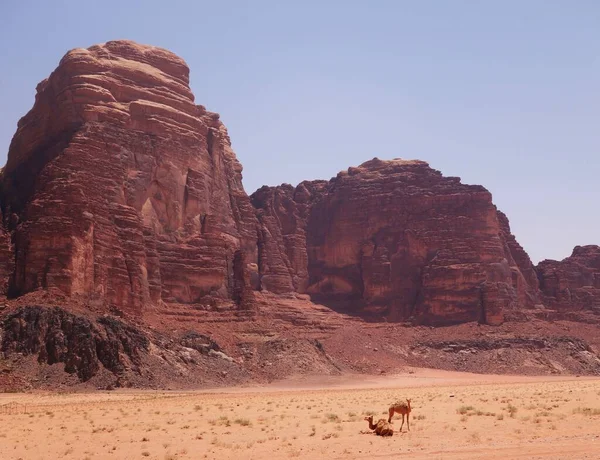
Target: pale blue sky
[501,93]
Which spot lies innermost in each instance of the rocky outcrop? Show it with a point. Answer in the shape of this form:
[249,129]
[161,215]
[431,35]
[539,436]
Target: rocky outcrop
[572,284]
[394,239]
[122,191]
[83,345]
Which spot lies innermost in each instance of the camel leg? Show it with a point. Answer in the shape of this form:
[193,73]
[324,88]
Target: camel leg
[407,421]
[402,423]
[391,414]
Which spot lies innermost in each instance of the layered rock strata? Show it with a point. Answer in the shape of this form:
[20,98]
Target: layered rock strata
[121,190]
[572,284]
[395,239]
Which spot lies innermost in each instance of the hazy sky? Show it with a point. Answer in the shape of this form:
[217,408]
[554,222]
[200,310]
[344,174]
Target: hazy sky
[501,93]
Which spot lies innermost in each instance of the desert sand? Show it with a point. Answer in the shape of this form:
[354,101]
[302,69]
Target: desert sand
[454,416]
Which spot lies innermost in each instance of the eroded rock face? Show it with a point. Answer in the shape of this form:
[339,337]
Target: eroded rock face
[6,261]
[523,271]
[395,239]
[283,213]
[573,283]
[57,336]
[121,190]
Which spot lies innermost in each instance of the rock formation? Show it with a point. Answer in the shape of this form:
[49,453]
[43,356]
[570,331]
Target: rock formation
[283,213]
[573,283]
[394,239]
[120,190]
[57,336]
[523,272]
[122,197]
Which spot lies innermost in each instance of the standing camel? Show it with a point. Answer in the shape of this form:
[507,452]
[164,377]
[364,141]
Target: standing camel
[403,408]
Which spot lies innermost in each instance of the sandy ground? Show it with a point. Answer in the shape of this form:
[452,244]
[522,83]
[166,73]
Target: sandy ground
[454,416]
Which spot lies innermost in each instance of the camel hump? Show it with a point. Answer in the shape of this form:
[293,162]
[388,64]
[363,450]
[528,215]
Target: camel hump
[400,403]
[384,428]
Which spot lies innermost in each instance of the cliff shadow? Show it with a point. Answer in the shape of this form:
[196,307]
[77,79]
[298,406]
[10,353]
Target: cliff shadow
[358,308]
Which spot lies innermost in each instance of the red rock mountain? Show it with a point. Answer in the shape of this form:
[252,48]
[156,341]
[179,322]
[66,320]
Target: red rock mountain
[120,192]
[572,284]
[394,239]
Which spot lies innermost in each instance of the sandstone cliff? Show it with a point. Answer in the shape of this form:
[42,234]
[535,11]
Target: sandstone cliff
[572,284]
[394,239]
[120,190]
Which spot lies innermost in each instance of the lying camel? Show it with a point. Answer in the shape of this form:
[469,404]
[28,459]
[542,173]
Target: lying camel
[382,428]
[403,408]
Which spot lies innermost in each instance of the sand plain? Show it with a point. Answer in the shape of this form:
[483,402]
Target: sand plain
[454,416]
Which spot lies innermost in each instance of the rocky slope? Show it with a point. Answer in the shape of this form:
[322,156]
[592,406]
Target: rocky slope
[130,253]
